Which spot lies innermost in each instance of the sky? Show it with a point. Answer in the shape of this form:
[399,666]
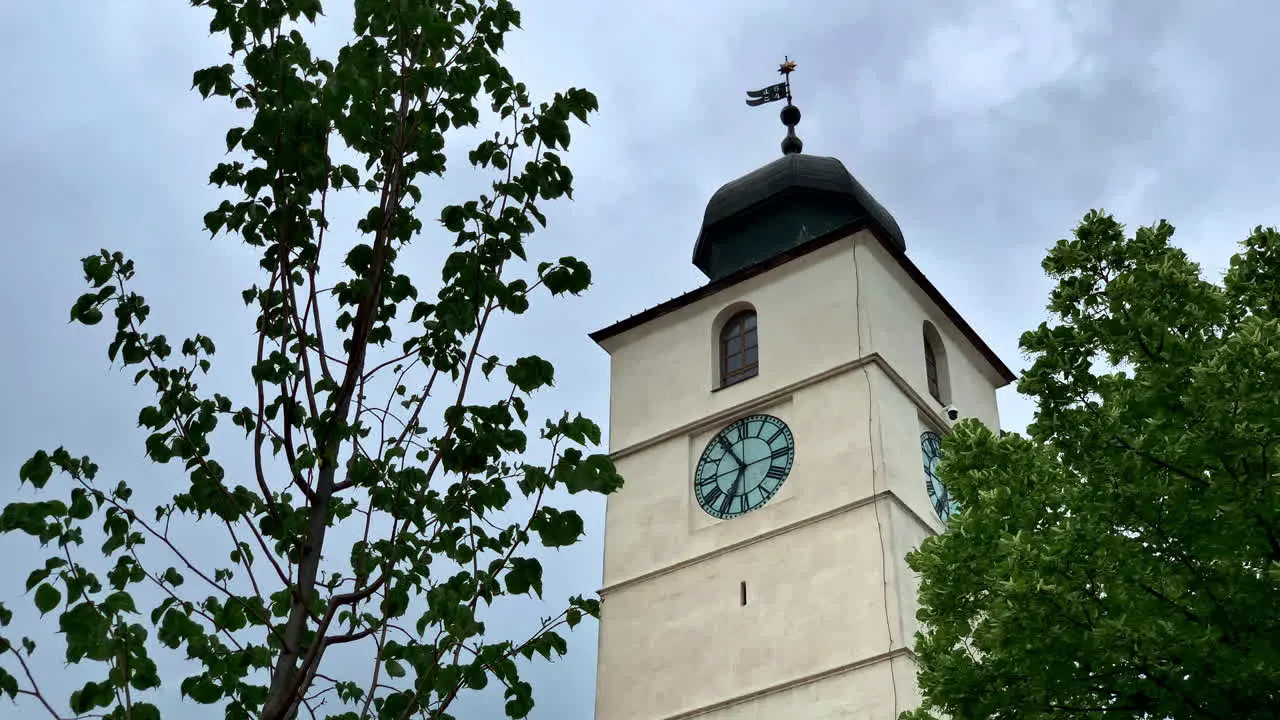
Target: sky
[987,128]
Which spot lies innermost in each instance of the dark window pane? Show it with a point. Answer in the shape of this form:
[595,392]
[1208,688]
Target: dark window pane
[731,330]
[738,353]
[931,370]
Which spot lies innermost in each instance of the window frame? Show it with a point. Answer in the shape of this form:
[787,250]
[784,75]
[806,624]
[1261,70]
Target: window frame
[743,327]
[931,369]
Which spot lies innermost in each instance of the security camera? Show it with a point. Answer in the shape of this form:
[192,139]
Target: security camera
[952,413]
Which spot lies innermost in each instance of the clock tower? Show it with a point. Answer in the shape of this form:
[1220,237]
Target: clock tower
[777,429]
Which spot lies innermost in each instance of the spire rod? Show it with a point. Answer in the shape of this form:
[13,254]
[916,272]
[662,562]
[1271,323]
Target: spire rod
[790,114]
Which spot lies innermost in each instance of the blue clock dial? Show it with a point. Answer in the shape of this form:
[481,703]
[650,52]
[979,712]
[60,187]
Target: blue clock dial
[943,504]
[743,466]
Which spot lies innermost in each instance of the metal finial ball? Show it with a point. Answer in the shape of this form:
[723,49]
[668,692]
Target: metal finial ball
[791,145]
[790,116]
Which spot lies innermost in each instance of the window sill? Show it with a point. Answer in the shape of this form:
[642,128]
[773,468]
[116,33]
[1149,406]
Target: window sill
[735,381]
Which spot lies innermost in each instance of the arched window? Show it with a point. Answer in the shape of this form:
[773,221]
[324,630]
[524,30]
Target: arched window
[931,369]
[739,348]
[935,365]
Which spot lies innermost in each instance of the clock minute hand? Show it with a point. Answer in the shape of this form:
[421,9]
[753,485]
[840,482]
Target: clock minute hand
[729,449]
[733,491]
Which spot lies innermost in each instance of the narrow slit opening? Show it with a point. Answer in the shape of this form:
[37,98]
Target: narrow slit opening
[742,593]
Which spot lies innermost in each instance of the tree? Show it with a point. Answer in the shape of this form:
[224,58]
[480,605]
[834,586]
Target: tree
[1123,558]
[378,521]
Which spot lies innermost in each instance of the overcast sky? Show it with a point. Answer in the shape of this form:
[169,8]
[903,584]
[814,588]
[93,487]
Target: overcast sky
[987,128]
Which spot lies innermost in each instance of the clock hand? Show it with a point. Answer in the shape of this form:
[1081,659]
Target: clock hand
[729,449]
[757,461]
[733,490]
[726,472]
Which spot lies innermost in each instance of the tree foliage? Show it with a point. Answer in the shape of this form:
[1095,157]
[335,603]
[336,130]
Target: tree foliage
[1123,558]
[375,523]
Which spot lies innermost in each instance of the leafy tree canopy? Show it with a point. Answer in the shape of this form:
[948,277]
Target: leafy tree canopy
[366,516]
[1123,558]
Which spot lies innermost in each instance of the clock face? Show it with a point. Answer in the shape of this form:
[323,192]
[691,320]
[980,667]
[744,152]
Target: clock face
[943,503]
[744,465]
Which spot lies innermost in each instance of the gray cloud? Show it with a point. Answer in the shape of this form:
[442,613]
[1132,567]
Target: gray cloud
[986,128]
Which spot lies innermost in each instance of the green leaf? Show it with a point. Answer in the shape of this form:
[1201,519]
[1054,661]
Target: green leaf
[119,602]
[91,695]
[569,276]
[47,598]
[37,470]
[214,220]
[453,218]
[150,417]
[556,528]
[201,689]
[530,373]
[524,575]
[144,711]
[519,697]
[394,668]
[36,577]
[8,684]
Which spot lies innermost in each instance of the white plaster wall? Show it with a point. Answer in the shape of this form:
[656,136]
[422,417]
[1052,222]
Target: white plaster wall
[893,312]
[837,304]
[682,640]
[654,521]
[874,692]
[899,423]
[663,374]
[906,534]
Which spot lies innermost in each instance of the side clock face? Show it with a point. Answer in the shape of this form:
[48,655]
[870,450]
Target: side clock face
[943,503]
[744,465]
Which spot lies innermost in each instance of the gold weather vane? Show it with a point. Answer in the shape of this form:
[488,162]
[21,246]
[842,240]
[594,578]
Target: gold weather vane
[778,91]
[790,114]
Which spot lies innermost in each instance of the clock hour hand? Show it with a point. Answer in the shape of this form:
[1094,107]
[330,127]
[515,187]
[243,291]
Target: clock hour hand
[728,447]
[727,503]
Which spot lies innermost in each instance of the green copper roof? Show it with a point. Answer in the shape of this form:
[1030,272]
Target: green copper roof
[779,206]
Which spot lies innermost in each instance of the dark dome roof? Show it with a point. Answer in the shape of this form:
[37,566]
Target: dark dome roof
[793,198]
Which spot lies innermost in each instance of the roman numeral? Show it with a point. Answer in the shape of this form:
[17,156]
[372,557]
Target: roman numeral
[726,504]
[710,496]
[775,472]
[780,453]
[774,436]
